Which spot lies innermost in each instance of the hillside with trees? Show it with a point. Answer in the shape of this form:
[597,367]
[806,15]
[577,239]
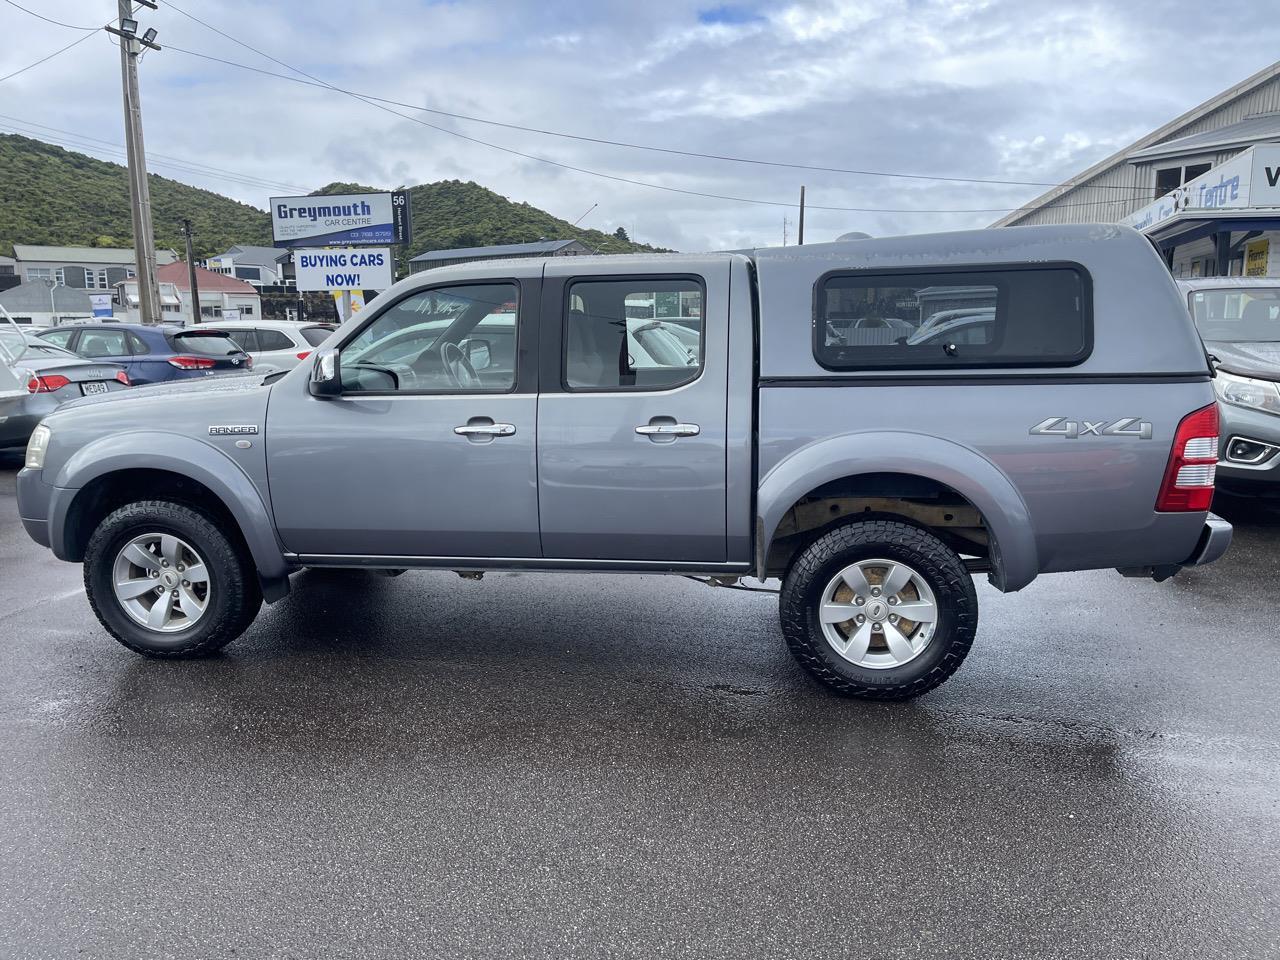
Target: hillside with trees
[49,195]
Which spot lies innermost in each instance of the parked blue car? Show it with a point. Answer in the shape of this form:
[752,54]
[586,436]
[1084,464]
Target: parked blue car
[153,354]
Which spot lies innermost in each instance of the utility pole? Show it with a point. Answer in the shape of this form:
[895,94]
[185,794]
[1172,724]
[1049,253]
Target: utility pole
[144,241]
[800,232]
[191,273]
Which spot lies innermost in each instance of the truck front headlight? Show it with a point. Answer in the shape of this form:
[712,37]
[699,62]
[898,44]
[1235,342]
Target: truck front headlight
[1247,392]
[37,446]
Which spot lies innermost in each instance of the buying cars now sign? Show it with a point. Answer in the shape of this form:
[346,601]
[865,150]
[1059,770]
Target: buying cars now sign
[350,218]
[352,268]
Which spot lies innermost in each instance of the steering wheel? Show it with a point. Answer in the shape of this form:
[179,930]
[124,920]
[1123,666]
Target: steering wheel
[458,367]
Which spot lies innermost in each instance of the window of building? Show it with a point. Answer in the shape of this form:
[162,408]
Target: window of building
[40,273]
[1170,178]
[213,311]
[990,316]
[639,334]
[246,310]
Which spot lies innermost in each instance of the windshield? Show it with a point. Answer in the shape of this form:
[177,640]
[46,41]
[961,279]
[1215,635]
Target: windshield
[1237,315]
[208,344]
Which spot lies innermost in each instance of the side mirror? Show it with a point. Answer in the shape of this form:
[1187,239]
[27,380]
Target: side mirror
[478,354]
[326,374]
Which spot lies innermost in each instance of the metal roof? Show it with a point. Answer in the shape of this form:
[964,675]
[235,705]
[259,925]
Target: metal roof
[1249,131]
[33,297]
[105,255]
[499,250]
[207,280]
[258,256]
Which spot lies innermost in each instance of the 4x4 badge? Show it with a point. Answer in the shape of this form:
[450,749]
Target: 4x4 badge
[1073,429]
[233,430]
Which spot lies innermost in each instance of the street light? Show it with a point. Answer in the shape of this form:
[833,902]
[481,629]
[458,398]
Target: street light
[128,25]
[150,36]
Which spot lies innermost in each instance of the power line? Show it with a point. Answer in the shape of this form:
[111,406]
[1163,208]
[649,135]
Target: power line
[244,178]
[316,81]
[378,103]
[41,16]
[118,154]
[32,66]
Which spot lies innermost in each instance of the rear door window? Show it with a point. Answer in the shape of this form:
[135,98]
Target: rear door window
[102,343]
[315,335]
[643,333]
[981,317]
[273,340]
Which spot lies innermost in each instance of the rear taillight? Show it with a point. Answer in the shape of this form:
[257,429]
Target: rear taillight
[124,378]
[304,354]
[191,363]
[248,360]
[47,384]
[1193,461]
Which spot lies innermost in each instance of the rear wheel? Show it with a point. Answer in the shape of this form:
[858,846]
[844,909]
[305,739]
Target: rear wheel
[879,609]
[166,581]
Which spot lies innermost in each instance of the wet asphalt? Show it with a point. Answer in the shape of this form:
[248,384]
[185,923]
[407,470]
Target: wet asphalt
[600,766]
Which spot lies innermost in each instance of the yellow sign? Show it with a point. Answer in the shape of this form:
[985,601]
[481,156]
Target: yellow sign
[1256,255]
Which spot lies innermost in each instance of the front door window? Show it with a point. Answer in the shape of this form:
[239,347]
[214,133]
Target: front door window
[444,340]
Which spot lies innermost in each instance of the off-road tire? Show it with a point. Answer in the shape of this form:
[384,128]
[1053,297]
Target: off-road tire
[940,566]
[236,594]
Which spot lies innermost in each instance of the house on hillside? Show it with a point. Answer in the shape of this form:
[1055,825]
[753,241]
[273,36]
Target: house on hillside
[89,268]
[506,251]
[1205,187]
[219,294]
[260,266]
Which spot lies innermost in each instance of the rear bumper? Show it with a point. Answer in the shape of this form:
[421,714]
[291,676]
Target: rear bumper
[1213,542]
[1215,538]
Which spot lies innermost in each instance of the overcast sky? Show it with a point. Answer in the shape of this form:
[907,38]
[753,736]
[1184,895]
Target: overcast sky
[1012,89]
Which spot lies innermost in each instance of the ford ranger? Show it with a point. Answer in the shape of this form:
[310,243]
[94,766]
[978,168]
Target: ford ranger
[871,421]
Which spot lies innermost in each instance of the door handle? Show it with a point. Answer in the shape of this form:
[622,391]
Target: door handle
[482,428]
[668,429]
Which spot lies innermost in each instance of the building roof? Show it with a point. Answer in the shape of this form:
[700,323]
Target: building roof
[258,256]
[106,255]
[499,250]
[1250,130]
[33,297]
[1154,137]
[176,273]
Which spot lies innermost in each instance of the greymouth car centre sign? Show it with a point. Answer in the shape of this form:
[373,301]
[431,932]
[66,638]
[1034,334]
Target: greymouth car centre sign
[340,219]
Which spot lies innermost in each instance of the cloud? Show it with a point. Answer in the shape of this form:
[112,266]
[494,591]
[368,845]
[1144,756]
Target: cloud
[1013,89]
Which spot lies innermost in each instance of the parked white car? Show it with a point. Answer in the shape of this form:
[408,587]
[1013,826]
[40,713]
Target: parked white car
[280,343]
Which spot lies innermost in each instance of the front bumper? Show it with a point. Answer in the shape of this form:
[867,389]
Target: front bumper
[1258,433]
[34,497]
[1215,538]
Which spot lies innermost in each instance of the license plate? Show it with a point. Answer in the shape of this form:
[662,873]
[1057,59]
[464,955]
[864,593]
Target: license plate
[92,388]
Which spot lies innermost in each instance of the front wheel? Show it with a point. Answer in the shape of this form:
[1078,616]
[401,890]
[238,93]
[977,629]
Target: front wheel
[879,609]
[166,581]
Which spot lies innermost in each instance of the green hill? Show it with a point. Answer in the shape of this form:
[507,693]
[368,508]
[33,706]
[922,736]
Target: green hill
[49,195]
[452,213]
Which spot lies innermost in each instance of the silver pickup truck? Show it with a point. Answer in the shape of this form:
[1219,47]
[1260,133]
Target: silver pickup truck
[873,422]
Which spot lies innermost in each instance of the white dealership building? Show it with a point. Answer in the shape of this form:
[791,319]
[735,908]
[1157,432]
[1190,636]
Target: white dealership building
[1205,187]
